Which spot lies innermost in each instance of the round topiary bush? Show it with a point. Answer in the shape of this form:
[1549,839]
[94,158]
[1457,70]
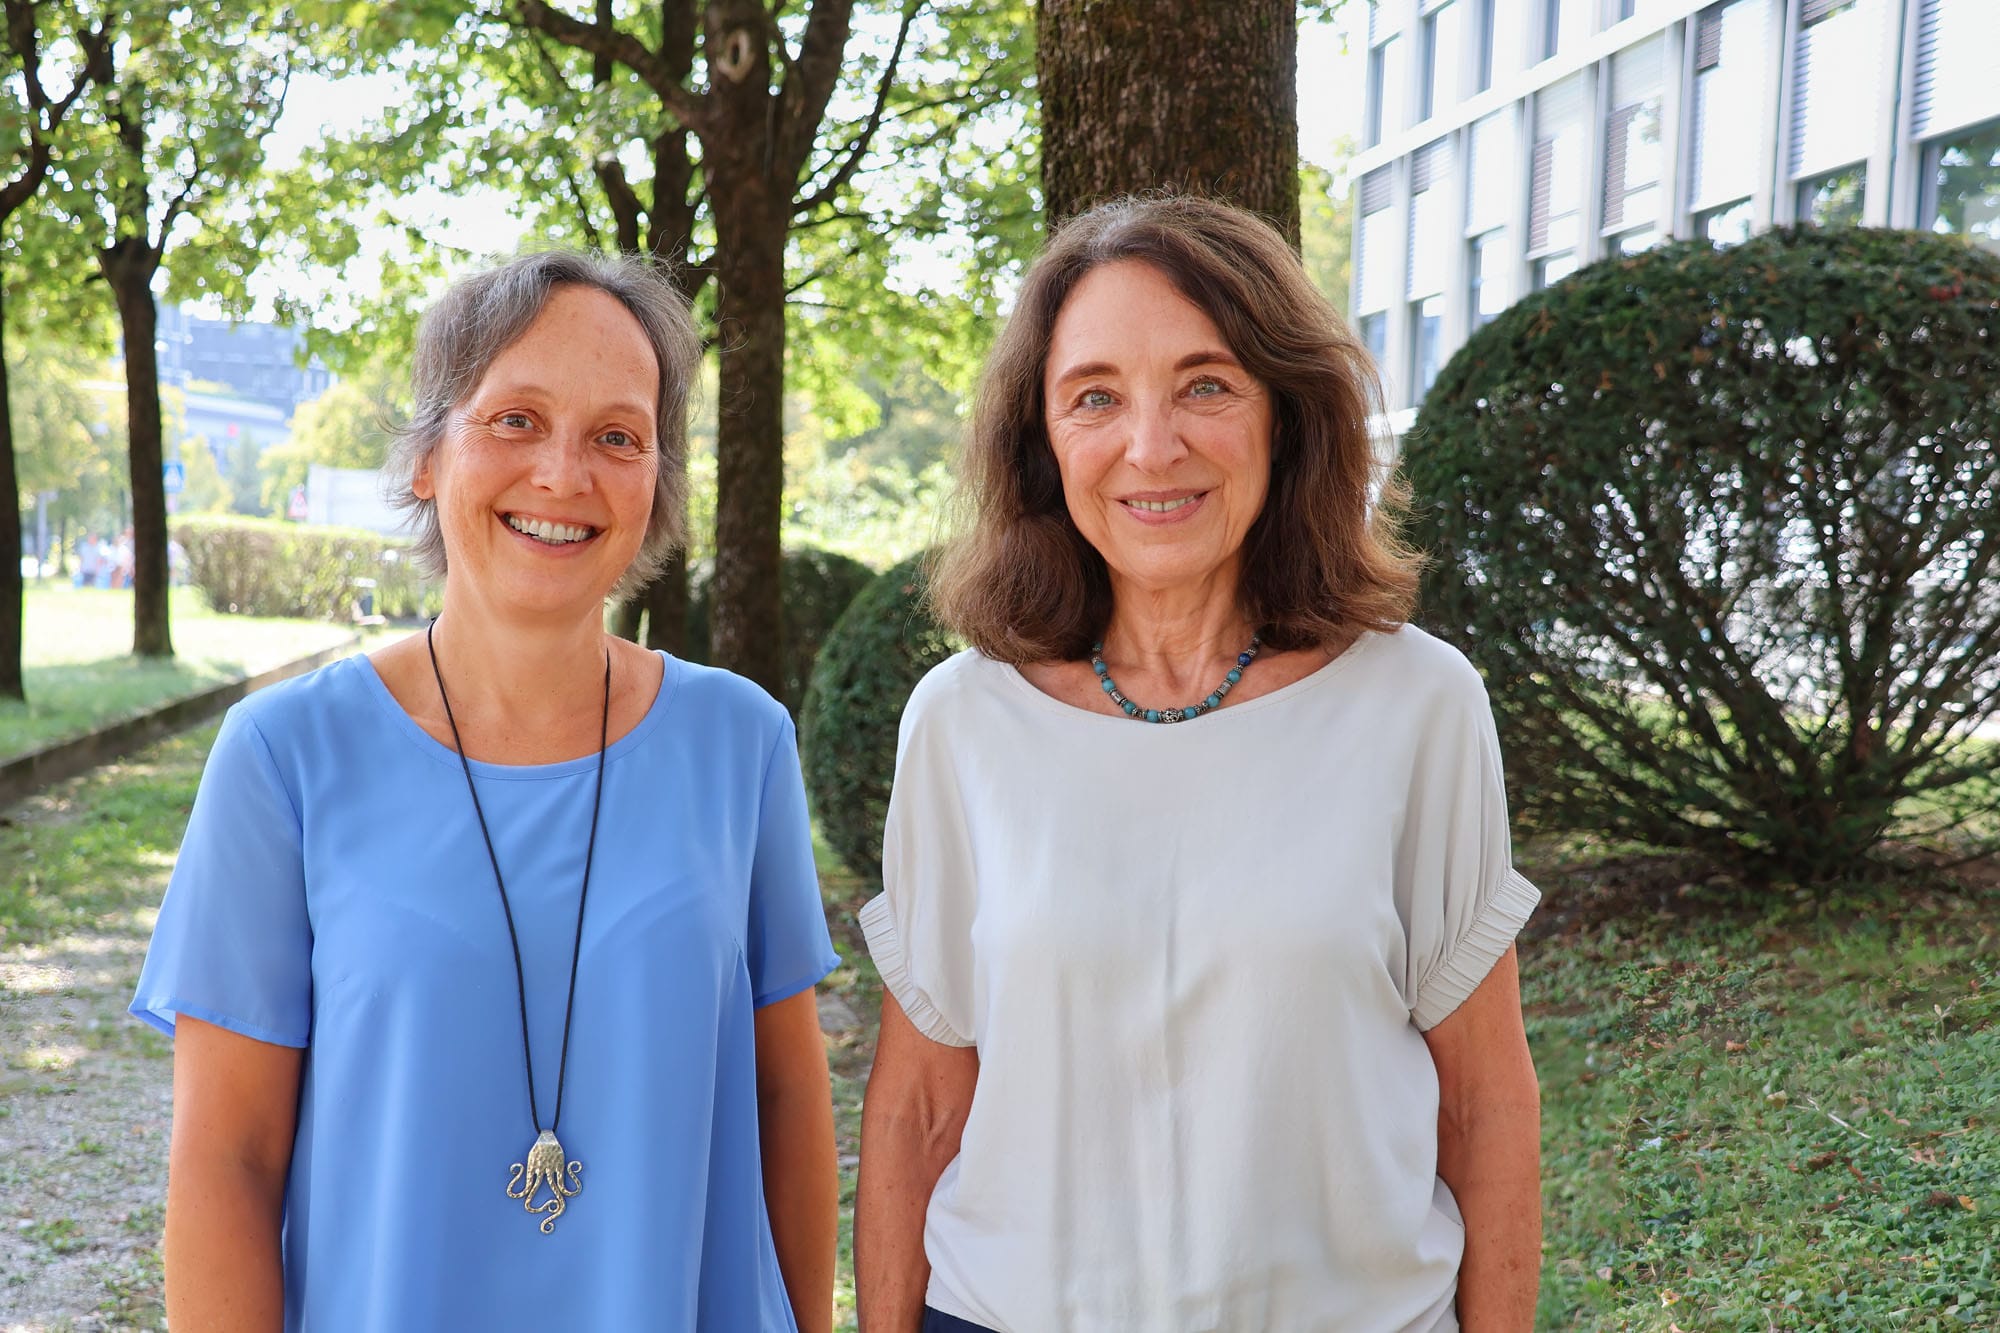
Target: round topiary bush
[818,585]
[1719,527]
[874,657]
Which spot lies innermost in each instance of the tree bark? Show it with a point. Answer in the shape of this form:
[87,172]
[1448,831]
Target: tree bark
[1200,99]
[128,267]
[11,608]
[745,619]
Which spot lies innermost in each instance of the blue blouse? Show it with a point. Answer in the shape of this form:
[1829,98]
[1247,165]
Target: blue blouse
[332,893]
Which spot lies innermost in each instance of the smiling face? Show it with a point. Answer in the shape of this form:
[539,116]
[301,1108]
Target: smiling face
[544,478]
[1163,439]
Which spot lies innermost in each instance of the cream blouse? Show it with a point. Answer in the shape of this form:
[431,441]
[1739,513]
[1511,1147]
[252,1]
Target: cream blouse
[1197,961]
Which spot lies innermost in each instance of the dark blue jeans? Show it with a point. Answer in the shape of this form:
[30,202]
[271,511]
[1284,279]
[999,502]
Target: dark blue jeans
[937,1322]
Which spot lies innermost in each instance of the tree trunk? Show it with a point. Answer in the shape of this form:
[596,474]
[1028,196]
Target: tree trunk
[11,609]
[750,441]
[666,599]
[128,267]
[1202,99]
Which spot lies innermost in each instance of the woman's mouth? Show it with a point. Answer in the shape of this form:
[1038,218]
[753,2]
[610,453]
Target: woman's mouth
[1164,509]
[547,532]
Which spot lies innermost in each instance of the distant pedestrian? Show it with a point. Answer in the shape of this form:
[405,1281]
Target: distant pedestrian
[89,560]
[123,561]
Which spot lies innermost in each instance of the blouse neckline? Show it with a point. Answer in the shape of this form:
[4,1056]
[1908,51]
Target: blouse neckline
[1312,680]
[378,690]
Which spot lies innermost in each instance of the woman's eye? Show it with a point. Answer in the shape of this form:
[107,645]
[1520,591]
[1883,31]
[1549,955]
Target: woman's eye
[1095,398]
[619,439]
[1206,387]
[516,420]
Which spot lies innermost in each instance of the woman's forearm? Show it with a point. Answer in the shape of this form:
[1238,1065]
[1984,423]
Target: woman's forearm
[900,1166]
[1492,1164]
[223,1266]
[802,1194]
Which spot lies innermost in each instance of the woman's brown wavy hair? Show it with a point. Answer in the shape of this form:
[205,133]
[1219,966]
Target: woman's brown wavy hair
[1322,561]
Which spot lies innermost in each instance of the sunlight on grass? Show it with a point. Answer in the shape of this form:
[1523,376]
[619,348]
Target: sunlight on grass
[80,674]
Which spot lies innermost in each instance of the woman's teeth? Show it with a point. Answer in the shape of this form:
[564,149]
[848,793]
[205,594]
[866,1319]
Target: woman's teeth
[1162,506]
[555,534]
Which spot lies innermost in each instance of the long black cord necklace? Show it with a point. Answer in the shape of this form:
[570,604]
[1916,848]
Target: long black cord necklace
[546,1165]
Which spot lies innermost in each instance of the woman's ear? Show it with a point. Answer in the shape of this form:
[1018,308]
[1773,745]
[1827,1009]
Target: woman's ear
[420,482]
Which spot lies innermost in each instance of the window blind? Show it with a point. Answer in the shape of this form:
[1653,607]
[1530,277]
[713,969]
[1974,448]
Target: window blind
[1837,87]
[1955,84]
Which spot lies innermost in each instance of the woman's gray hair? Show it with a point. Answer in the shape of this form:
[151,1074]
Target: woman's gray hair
[479,317]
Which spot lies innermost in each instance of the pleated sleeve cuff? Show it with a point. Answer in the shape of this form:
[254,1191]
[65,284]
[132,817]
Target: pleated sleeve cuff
[885,946]
[1459,973]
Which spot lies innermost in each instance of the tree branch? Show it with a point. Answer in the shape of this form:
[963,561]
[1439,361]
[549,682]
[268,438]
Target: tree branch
[838,181]
[623,47]
[809,81]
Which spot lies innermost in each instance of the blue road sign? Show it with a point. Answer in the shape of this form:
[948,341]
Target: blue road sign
[174,473]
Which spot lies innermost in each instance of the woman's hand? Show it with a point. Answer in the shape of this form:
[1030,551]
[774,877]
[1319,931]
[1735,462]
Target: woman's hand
[1489,1151]
[919,1094]
[801,1178]
[235,1112]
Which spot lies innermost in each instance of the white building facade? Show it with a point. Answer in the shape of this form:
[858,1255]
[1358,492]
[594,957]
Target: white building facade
[1509,142]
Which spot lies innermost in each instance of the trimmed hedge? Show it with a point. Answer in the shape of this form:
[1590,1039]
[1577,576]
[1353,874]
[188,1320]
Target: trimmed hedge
[269,567]
[817,587]
[876,654]
[1718,528]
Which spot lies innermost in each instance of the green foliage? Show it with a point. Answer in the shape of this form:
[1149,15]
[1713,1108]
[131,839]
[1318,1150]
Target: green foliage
[1716,526]
[878,651]
[818,585]
[1326,228]
[268,567]
[347,427]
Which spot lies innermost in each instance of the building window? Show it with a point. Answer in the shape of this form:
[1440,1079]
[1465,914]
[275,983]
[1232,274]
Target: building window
[1837,73]
[1637,241]
[1483,74]
[1730,99]
[1387,90]
[1727,225]
[1486,283]
[1552,269]
[1956,40]
[1444,56]
[1617,11]
[1633,165]
[1375,335]
[1556,172]
[1964,180]
[1834,200]
[1427,339]
[1560,24]
[1375,259]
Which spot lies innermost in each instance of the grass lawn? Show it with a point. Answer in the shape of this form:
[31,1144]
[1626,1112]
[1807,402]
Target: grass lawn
[80,673]
[1781,1114]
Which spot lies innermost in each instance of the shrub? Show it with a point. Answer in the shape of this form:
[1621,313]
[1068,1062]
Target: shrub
[818,585]
[1719,529]
[268,567]
[874,657]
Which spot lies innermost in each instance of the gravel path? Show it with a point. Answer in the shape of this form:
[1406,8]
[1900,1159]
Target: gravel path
[85,1095]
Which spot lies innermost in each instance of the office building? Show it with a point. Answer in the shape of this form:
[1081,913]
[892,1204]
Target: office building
[1509,142]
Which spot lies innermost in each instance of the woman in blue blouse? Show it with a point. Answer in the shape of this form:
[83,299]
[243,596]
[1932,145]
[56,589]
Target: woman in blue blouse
[490,956]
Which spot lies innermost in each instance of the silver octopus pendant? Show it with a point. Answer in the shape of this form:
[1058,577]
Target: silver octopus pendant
[545,1167]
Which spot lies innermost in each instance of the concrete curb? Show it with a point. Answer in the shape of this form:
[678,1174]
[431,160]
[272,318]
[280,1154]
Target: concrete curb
[23,776]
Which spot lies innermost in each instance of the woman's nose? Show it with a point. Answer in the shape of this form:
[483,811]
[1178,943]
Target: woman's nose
[562,464]
[1155,443]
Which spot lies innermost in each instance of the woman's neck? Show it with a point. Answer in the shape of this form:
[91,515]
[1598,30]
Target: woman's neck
[539,675]
[1177,637]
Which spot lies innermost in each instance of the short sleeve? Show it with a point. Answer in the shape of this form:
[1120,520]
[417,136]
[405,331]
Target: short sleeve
[919,928]
[1461,900]
[785,942]
[233,944]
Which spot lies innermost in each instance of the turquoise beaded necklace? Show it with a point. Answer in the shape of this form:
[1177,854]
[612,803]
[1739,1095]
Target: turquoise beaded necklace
[1191,711]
